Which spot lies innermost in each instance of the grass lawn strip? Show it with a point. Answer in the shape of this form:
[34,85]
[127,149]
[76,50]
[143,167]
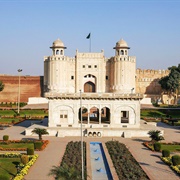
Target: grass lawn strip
[170,147]
[20,145]
[8,166]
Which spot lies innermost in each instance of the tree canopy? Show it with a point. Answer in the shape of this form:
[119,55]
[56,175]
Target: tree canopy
[171,83]
[1,86]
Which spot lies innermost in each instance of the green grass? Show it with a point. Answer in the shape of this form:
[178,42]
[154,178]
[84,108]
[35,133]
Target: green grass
[8,120]
[30,112]
[158,113]
[171,148]
[8,166]
[17,145]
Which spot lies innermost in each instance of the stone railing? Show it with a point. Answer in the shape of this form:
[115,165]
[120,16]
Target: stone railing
[55,95]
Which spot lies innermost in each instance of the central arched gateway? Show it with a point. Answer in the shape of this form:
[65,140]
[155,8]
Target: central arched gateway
[89,87]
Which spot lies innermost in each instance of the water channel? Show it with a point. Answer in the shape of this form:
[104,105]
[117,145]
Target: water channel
[99,164]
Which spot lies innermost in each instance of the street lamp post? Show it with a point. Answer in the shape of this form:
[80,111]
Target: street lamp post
[82,158]
[19,73]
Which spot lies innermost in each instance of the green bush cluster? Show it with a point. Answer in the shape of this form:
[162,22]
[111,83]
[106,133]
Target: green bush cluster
[5,137]
[125,164]
[24,159]
[38,144]
[176,160]
[165,153]
[30,151]
[157,146]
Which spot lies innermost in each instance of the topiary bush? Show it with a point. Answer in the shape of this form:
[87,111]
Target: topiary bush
[176,160]
[165,153]
[4,177]
[157,146]
[5,138]
[24,159]
[37,145]
[30,151]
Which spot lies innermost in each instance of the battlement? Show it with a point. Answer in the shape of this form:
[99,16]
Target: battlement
[125,58]
[90,55]
[151,71]
[55,58]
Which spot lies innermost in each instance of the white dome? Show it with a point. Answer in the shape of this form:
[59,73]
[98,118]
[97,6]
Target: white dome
[121,43]
[58,43]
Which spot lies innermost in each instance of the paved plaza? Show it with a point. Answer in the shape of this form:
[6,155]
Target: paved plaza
[52,155]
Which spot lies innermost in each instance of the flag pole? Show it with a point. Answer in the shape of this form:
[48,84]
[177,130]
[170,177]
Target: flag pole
[89,37]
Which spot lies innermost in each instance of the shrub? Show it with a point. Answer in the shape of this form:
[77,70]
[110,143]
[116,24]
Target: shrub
[165,153]
[4,177]
[24,159]
[13,121]
[37,145]
[157,146]
[176,160]
[30,151]
[5,138]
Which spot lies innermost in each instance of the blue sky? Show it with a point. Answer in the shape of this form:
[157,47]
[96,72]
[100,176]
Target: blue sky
[28,27]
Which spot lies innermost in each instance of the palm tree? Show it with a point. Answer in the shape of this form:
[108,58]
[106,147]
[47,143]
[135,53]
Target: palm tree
[155,135]
[64,173]
[40,132]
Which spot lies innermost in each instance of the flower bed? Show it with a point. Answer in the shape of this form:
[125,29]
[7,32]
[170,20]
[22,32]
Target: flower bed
[167,160]
[23,169]
[125,164]
[45,143]
[72,158]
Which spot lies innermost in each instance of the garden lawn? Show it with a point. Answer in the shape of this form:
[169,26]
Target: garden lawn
[24,112]
[8,120]
[158,113]
[8,166]
[17,145]
[171,148]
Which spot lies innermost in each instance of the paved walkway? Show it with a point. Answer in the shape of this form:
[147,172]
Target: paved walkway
[52,155]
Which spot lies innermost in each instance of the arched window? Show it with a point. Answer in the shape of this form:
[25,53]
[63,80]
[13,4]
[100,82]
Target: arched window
[57,52]
[122,52]
[125,52]
[61,52]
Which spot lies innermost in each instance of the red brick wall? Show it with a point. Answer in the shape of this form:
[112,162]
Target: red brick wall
[30,86]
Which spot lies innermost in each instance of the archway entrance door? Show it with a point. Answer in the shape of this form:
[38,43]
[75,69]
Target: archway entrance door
[89,87]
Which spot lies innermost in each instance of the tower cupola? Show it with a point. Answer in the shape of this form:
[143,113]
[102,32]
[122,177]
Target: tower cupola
[121,48]
[58,48]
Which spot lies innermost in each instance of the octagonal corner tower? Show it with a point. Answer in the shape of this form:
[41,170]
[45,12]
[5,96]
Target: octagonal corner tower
[124,69]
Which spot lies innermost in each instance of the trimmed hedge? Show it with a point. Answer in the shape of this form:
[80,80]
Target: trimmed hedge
[5,137]
[38,145]
[157,146]
[176,160]
[165,153]
[30,151]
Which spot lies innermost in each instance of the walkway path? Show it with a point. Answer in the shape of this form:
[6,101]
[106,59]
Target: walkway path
[52,155]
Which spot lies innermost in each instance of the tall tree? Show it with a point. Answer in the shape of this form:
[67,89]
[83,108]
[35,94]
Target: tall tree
[171,83]
[1,86]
